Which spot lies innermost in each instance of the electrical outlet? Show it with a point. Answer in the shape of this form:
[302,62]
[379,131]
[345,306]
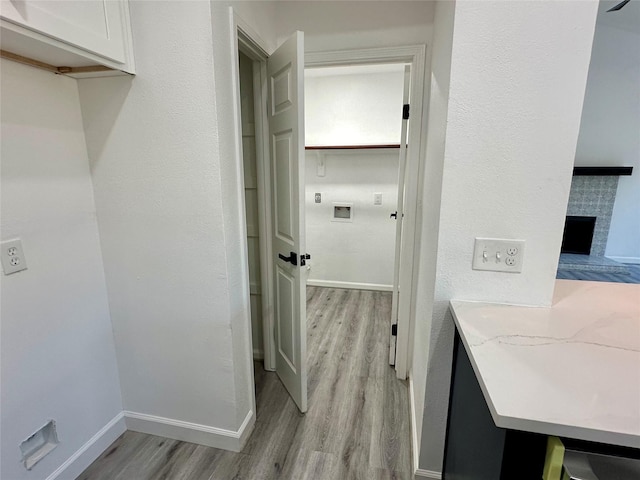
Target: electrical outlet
[498,255]
[13,259]
[318,198]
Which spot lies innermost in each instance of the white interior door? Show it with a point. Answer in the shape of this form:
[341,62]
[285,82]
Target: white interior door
[285,84]
[399,216]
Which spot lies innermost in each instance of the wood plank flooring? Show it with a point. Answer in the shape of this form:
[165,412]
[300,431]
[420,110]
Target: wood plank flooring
[357,426]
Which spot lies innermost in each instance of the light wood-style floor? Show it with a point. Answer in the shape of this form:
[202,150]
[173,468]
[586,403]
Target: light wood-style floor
[357,426]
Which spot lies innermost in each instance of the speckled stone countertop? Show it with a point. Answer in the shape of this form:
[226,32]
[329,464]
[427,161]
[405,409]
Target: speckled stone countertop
[571,370]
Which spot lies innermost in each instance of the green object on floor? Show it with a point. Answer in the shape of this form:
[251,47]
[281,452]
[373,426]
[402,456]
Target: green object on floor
[554,459]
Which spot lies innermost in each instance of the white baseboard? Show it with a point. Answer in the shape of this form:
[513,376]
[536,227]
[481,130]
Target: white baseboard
[420,473]
[415,454]
[192,432]
[634,260]
[91,450]
[350,285]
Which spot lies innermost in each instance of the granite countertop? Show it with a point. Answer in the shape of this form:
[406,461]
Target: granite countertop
[571,370]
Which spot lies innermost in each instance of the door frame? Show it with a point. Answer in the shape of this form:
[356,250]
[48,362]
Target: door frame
[247,40]
[414,55]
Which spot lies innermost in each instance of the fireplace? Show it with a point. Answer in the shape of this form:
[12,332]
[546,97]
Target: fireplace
[578,234]
[589,212]
[594,196]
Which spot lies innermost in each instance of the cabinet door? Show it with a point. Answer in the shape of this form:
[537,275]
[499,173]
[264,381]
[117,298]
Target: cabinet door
[100,27]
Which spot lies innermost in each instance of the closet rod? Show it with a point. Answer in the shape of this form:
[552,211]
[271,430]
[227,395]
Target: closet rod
[350,147]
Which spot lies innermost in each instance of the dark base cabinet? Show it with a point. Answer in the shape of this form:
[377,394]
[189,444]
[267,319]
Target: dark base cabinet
[478,450]
[475,448]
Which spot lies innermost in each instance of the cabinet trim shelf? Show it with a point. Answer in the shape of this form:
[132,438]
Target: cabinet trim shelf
[69,71]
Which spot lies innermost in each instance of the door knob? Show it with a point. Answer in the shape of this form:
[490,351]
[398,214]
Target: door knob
[292,258]
[394,215]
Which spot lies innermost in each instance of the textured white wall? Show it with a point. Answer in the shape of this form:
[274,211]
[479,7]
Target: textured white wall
[153,146]
[361,251]
[610,128]
[518,76]
[438,106]
[353,105]
[356,24]
[58,358]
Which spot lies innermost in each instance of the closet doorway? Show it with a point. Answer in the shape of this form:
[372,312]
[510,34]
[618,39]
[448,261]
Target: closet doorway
[257,162]
[413,57]
[355,132]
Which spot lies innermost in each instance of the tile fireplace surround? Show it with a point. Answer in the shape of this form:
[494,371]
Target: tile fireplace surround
[593,196]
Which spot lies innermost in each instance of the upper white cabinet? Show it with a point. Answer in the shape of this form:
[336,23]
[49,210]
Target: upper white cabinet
[69,33]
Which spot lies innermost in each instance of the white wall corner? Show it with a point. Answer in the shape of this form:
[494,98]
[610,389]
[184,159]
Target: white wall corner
[245,430]
[192,432]
[91,450]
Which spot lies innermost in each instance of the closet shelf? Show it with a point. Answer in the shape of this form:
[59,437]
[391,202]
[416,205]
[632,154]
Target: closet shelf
[350,147]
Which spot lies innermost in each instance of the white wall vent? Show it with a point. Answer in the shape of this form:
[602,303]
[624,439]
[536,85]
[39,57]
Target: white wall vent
[39,445]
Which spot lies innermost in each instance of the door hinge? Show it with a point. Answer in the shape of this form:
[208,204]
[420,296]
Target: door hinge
[394,330]
[405,112]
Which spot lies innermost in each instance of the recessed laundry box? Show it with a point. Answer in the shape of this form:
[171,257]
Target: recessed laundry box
[342,212]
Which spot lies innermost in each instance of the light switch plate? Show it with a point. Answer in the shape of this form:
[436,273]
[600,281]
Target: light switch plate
[377,199]
[12,256]
[498,255]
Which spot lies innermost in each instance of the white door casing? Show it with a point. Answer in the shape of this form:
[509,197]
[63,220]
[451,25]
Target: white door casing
[285,105]
[402,164]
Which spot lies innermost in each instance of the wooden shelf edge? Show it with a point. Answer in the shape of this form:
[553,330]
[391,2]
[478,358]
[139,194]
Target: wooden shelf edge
[52,68]
[350,147]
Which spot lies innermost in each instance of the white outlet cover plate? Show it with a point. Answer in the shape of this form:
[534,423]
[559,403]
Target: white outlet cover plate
[498,255]
[12,256]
